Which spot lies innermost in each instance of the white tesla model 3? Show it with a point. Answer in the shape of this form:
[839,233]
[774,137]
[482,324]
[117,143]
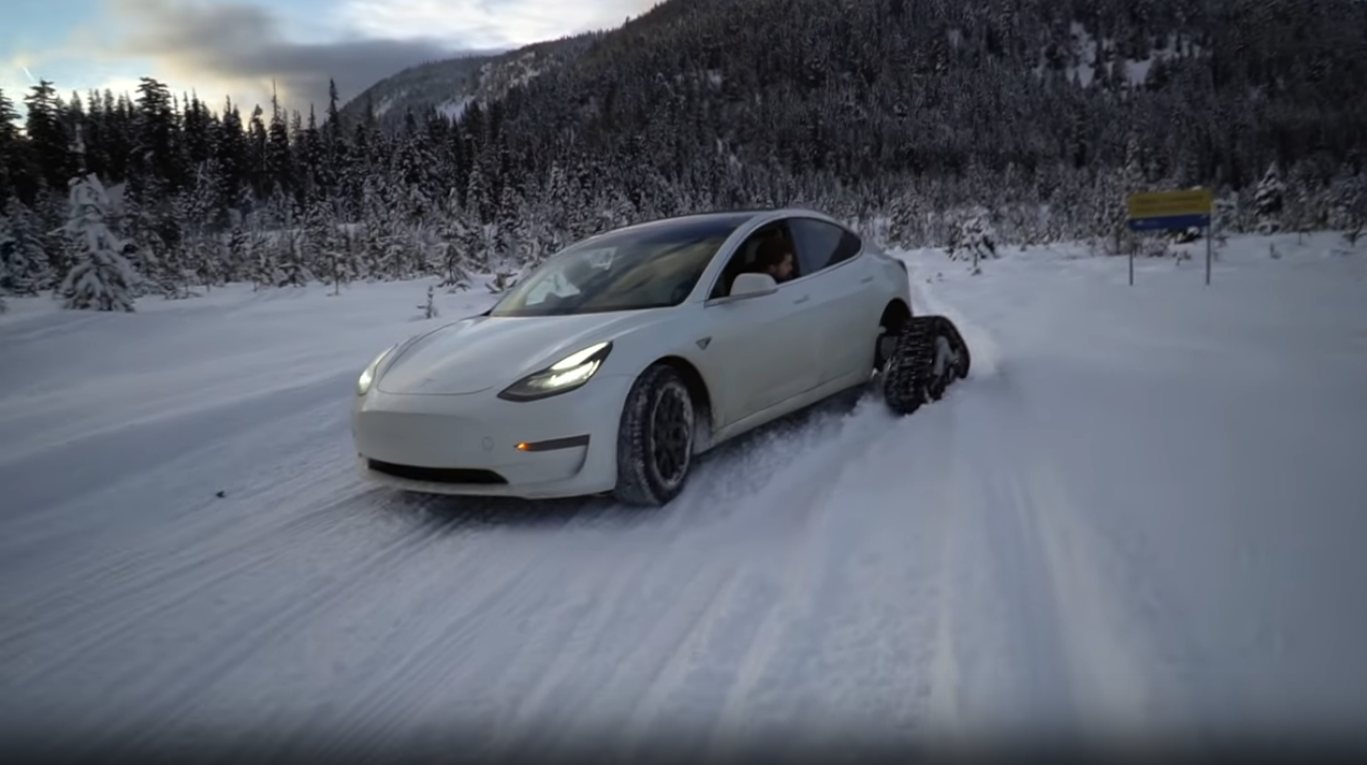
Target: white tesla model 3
[614,364]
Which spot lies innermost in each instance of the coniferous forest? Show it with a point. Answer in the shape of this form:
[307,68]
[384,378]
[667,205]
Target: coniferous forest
[912,119]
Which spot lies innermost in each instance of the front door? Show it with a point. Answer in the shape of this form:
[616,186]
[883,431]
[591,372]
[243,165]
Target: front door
[762,349]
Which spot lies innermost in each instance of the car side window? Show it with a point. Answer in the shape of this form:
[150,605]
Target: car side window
[746,258]
[821,244]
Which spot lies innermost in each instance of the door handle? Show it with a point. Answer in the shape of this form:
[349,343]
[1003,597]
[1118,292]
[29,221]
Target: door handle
[866,280]
[802,299]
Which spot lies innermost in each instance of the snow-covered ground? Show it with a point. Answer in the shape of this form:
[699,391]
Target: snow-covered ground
[1144,511]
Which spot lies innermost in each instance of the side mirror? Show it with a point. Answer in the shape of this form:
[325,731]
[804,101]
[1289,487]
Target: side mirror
[753,285]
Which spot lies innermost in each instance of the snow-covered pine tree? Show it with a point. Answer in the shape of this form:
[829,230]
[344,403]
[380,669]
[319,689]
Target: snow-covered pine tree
[317,232]
[502,281]
[453,237]
[1225,219]
[477,201]
[507,235]
[621,211]
[286,244]
[385,240]
[342,260]
[976,238]
[420,244]
[26,261]
[326,246]
[101,277]
[235,258]
[1348,202]
[1302,202]
[201,217]
[261,254]
[1132,181]
[900,218]
[555,197]
[1269,200]
[475,244]
[260,250]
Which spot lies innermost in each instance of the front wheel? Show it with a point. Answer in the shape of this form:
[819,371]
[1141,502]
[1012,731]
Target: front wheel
[928,356]
[655,439]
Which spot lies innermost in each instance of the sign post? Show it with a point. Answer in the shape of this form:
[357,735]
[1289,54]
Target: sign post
[1166,210]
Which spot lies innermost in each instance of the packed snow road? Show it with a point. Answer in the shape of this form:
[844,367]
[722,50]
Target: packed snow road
[1143,511]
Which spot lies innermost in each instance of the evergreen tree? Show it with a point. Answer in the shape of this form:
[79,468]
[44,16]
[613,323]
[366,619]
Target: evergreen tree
[48,137]
[100,278]
[12,158]
[22,252]
[1269,200]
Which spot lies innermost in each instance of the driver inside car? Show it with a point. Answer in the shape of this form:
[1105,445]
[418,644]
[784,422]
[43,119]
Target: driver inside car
[775,258]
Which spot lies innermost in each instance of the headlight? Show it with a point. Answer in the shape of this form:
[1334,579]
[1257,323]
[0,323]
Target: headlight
[564,375]
[368,376]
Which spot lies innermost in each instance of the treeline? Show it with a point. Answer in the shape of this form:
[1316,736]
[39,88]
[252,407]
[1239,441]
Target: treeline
[1032,117]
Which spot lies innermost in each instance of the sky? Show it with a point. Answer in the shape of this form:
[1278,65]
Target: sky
[243,48]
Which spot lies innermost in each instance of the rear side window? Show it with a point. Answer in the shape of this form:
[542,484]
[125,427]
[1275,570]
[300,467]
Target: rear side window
[821,244]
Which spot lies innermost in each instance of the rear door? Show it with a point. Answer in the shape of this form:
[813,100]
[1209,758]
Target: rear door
[839,286]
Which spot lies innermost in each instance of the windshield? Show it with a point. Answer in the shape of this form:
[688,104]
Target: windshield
[652,266]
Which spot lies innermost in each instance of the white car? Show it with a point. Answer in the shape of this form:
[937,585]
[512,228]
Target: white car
[610,367]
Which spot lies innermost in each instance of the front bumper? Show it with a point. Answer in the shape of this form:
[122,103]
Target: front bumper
[467,444]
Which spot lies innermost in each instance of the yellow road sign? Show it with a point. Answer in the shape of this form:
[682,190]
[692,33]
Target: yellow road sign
[1170,204]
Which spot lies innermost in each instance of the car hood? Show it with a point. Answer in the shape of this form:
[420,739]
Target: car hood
[481,352]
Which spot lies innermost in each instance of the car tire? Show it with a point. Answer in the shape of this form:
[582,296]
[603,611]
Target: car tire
[655,440]
[928,356]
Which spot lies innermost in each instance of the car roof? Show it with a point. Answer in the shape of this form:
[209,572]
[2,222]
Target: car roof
[733,218]
[736,218]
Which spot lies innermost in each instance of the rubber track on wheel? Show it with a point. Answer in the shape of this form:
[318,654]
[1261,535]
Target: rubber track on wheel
[910,364]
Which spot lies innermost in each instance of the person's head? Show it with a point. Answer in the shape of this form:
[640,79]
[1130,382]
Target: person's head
[776,258]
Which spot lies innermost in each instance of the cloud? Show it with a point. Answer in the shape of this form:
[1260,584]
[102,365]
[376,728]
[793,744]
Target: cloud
[248,49]
[508,23]
[240,48]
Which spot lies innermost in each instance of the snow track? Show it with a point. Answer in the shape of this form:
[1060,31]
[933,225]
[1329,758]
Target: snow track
[1003,561]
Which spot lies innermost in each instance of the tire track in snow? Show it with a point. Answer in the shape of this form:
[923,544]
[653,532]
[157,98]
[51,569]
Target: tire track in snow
[657,649]
[647,709]
[431,652]
[198,671]
[1087,667]
[999,655]
[25,330]
[824,619]
[691,704]
[176,512]
[803,565]
[1158,685]
[649,637]
[503,694]
[938,470]
[799,468]
[879,613]
[182,557]
[575,649]
[1006,517]
[1125,645]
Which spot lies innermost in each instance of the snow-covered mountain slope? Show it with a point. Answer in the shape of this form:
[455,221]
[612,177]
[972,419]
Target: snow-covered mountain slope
[450,85]
[1142,511]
